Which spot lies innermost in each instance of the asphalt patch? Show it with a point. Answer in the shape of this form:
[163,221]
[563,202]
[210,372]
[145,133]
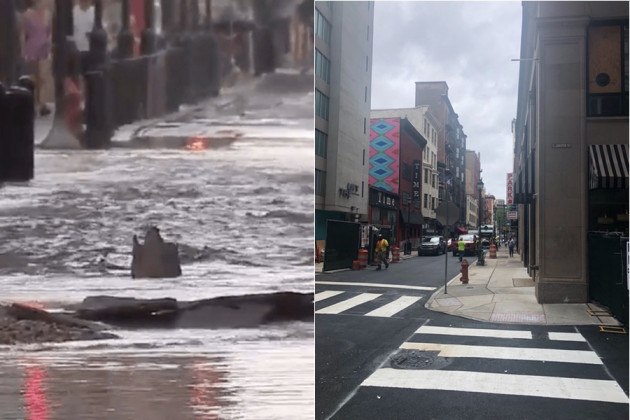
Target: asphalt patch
[415,359]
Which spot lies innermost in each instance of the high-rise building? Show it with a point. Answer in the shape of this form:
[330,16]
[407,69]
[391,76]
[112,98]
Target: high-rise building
[343,75]
[451,146]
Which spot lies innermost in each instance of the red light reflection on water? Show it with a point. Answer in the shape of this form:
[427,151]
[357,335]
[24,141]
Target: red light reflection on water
[36,402]
[196,143]
[204,395]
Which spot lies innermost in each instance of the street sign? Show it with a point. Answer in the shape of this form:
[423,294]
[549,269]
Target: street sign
[512,215]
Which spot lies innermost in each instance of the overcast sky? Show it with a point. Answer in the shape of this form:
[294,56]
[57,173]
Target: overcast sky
[467,44]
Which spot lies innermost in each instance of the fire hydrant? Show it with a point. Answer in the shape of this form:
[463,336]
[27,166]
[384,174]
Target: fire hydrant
[464,272]
[493,251]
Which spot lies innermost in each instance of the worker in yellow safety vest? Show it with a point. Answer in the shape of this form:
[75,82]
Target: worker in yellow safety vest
[461,247]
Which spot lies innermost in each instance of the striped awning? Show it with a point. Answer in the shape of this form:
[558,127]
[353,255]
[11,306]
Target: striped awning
[608,166]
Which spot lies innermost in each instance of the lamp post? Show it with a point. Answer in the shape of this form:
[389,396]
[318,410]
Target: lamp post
[480,259]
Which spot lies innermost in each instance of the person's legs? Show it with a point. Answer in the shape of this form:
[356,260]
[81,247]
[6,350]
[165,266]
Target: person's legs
[40,83]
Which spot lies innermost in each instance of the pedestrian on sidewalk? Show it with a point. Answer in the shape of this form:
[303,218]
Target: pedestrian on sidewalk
[35,39]
[511,245]
[382,247]
[461,248]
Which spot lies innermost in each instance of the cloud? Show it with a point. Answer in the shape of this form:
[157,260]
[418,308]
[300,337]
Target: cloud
[467,44]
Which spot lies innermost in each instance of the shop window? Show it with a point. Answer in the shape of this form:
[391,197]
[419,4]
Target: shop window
[608,70]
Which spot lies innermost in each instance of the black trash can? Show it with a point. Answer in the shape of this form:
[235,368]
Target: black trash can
[17,119]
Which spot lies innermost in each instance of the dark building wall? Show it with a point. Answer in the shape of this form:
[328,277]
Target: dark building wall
[452,143]
[412,145]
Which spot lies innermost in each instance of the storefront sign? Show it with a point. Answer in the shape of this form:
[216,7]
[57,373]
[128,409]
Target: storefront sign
[415,189]
[348,190]
[382,199]
[510,190]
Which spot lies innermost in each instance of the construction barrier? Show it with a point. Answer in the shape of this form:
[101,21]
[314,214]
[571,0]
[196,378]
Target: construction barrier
[363,258]
[395,254]
[356,265]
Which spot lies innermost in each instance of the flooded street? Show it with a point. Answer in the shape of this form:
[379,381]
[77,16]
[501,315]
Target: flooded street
[243,218]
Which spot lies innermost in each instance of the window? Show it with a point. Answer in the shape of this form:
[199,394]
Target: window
[426,201]
[321,140]
[433,177]
[366,63]
[322,66]
[322,27]
[433,203]
[364,126]
[426,176]
[368,32]
[321,105]
[608,69]
[366,94]
[363,157]
[320,182]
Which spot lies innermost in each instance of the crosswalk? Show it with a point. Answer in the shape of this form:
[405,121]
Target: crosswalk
[382,305]
[507,362]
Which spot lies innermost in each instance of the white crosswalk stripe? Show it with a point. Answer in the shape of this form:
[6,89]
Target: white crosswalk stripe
[520,383]
[498,383]
[349,303]
[326,294]
[509,353]
[386,310]
[394,307]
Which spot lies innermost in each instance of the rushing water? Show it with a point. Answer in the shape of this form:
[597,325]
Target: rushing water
[243,218]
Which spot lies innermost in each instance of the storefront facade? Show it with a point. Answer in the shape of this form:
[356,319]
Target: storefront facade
[571,136]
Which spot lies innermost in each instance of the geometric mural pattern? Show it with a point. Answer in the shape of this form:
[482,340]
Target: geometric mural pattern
[384,154]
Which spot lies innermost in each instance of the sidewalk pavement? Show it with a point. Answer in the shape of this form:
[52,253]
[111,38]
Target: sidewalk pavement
[263,99]
[502,291]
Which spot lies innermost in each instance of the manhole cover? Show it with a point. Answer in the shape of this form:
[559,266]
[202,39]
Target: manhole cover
[414,359]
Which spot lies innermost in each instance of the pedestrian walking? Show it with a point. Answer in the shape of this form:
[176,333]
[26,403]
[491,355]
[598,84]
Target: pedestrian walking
[461,248]
[83,20]
[382,247]
[511,245]
[35,39]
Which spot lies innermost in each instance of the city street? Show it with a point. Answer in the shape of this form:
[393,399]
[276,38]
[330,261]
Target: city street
[381,354]
[241,215]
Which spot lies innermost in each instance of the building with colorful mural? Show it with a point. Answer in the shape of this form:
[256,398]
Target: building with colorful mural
[422,119]
[395,179]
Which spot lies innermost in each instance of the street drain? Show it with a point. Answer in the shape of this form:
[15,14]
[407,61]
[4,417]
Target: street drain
[414,359]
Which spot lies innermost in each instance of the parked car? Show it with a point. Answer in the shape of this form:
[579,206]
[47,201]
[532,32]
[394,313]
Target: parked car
[470,246]
[432,245]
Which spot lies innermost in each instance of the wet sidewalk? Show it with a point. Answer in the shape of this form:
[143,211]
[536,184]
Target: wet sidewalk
[502,291]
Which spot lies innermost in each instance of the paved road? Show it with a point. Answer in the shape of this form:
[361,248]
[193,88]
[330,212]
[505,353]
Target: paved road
[381,355]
